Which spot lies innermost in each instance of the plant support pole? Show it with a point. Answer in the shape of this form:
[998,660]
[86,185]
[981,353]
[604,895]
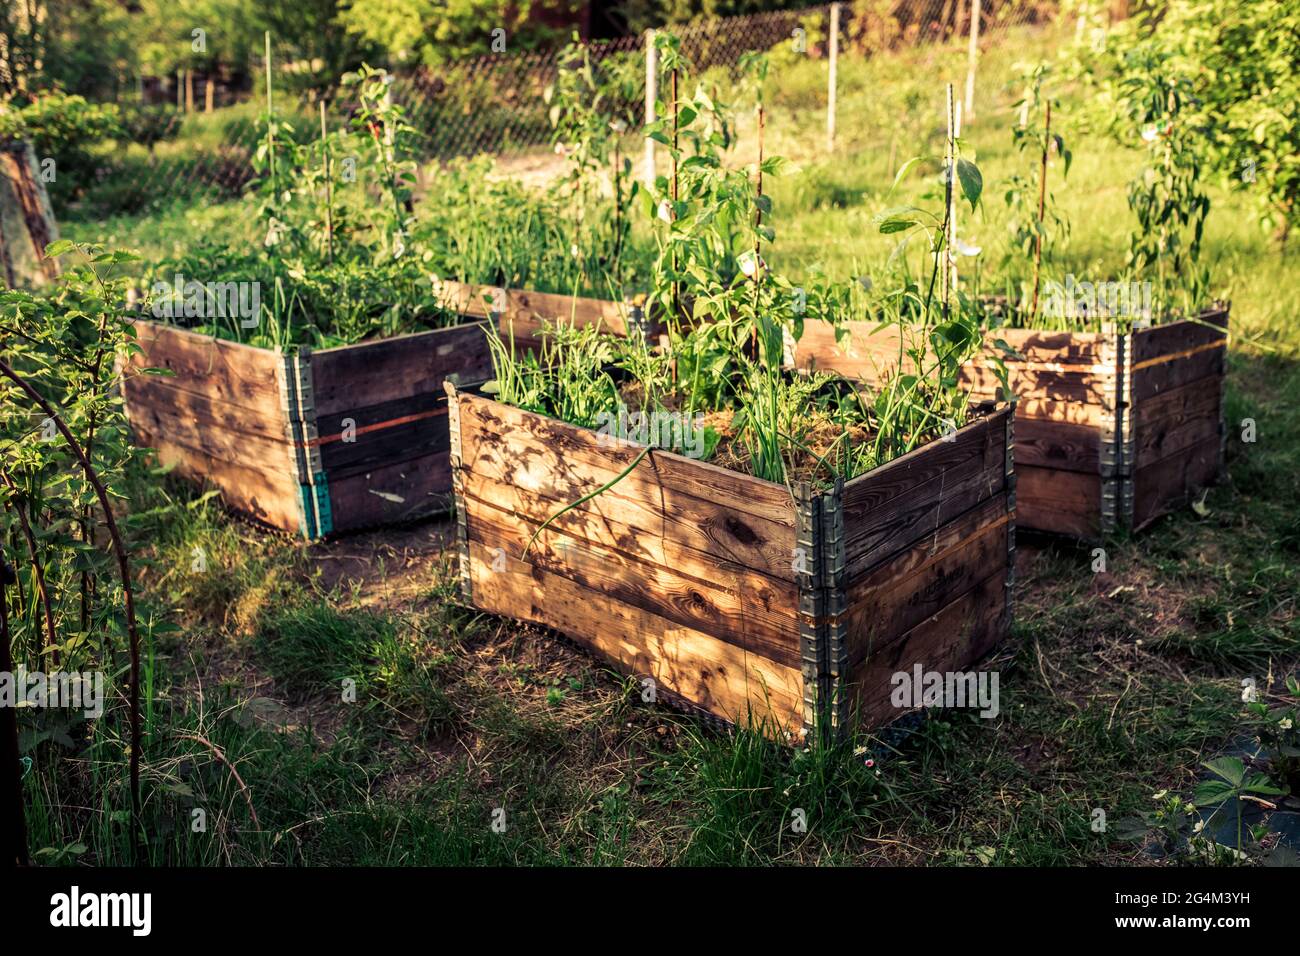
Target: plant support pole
[1042,208]
[831,81]
[972,56]
[651,76]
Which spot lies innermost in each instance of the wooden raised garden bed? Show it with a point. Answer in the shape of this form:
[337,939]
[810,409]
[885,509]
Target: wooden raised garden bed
[524,314]
[734,597]
[311,441]
[1112,430]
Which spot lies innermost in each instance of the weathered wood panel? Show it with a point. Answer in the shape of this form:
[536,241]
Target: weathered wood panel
[218,370]
[1168,484]
[1070,391]
[354,377]
[1060,445]
[27,223]
[1176,420]
[894,597]
[763,620]
[391,493]
[272,498]
[720,677]
[729,516]
[888,509]
[953,639]
[1056,501]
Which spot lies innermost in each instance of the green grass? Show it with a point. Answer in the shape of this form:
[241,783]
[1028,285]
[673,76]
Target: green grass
[1113,685]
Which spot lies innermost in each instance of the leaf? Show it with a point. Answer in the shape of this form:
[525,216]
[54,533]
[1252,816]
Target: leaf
[1230,769]
[1211,792]
[898,219]
[58,248]
[903,171]
[972,183]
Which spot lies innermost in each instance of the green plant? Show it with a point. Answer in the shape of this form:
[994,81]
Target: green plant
[1276,728]
[1168,198]
[1037,224]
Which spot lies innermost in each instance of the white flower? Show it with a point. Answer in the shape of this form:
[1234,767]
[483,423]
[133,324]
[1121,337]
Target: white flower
[1200,825]
[966,249]
[573,250]
[1285,723]
[750,264]
[665,211]
[1149,133]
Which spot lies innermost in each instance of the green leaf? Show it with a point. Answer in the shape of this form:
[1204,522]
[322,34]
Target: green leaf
[1230,769]
[972,183]
[58,248]
[903,171]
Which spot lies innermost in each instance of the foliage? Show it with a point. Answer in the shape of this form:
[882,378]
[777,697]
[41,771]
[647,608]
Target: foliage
[1037,225]
[65,129]
[430,33]
[70,609]
[1241,62]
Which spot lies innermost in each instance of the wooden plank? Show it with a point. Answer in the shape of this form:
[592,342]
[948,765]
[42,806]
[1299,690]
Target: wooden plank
[871,351]
[1176,420]
[894,505]
[213,438]
[147,391]
[1093,415]
[473,299]
[763,622]
[719,677]
[1166,485]
[887,602]
[354,377]
[272,498]
[742,519]
[1058,502]
[955,638]
[383,435]
[1174,371]
[216,369]
[401,491]
[1034,384]
[1061,445]
[1162,341]
[653,537]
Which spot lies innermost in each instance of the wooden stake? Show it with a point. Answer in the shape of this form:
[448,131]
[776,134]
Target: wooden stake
[831,80]
[972,56]
[1042,206]
[651,92]
[329,189]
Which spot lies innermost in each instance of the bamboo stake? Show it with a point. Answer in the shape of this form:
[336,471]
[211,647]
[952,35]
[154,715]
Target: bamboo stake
[1042,207]
[329,189]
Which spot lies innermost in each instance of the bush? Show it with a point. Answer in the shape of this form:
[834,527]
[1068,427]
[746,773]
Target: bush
[66,129]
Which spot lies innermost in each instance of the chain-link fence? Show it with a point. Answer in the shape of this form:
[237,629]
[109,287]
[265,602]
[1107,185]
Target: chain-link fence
[495,104]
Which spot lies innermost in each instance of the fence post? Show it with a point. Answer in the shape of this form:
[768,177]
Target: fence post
[830,85]
[972,57]
[651,78]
